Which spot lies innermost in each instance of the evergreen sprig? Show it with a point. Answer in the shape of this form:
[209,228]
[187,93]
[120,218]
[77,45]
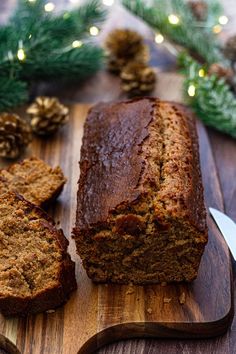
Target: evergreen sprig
[12,93]
[213,101]
[192,34]
[47,40]
[71,64]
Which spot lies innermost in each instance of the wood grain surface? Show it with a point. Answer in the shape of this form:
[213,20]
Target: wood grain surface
[99,314]
[104,86]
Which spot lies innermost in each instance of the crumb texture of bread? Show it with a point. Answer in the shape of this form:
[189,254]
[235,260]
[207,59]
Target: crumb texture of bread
[35,180]
[36,272]
[140,210]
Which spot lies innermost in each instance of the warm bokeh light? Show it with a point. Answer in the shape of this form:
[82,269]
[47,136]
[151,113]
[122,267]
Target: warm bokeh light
[49,7]
[223,20]
[108,2]
[173,19]
[217,29]
[191,90]
[77,44]
[94,31]
[201,73]
[159,38]
[21,54]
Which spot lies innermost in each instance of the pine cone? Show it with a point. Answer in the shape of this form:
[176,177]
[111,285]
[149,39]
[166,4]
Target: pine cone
[220,71]
[116,65]
[123,46]
[47,115]
[199,9]
[15,135]
[137,79]
[230,48]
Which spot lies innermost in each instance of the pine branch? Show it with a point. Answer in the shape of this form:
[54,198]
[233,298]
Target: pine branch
[73,64]
[187,32]
[60,28]
[47,40]
[27,11]
[12,93]
[64,29]
[214,102]
[211,97]
[215,10]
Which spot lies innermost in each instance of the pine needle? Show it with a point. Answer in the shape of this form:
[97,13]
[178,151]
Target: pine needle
[37,45]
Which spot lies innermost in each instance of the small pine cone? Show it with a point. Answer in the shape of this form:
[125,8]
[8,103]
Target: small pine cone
[230,48]
[124,46]
[221,72]
[199,9]
[116,64]
[47,115]
[124,43]
[137,79]
[15,135]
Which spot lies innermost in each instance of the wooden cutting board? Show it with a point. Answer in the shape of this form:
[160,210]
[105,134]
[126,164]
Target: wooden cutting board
[99,314]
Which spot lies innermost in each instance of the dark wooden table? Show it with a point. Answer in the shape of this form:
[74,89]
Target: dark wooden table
[106,87]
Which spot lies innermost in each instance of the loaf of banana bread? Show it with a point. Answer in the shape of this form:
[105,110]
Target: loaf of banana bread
[35,180]
[36,272]
[140,211]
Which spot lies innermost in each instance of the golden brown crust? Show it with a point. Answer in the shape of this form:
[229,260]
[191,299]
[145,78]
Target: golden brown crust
[195,203]
[36,298]
[181,189]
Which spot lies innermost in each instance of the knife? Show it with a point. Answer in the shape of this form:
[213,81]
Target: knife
[227,227]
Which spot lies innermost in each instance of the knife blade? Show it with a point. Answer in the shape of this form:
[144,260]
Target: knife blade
[227,227]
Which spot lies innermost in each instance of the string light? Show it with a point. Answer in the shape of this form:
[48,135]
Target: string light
[49,7]
[159,38]
[201,73]
[217,29]
[21,54]
[191,90]
[30,36]
[77,44]
[74,1]
[223,20]
[31,0]
[94,31]
[173,19]
[108,2]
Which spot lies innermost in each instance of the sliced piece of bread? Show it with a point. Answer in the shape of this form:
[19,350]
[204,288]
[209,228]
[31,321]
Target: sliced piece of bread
[35,180]
[36,272]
